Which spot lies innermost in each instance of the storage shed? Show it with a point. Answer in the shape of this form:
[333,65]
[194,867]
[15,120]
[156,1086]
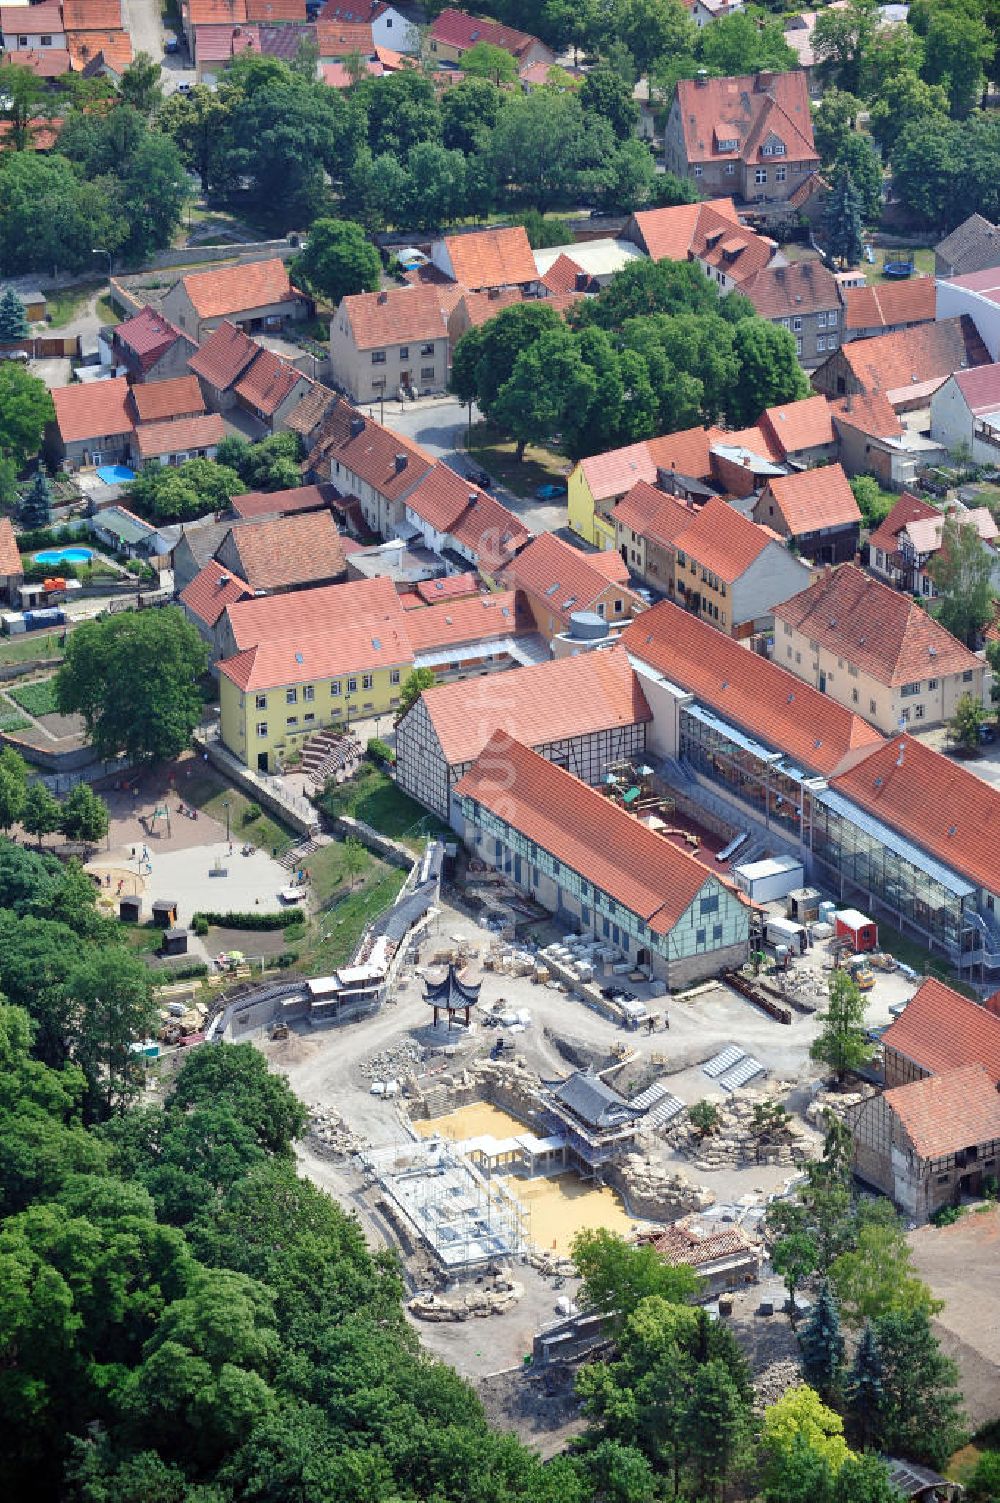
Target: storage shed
[765,881]
[857,928]
[165,913]
[175,942]
[130,908]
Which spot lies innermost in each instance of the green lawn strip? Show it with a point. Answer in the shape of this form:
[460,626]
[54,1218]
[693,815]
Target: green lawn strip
[921,960]
[29,648]
[64,305]
[265,831]
[332,937]
[13,722]
[371,795]
[496,453]
[38,699]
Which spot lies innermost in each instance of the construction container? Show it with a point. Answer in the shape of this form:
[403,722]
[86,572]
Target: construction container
[13,624]
[802,905]
[130,908]
[827,911]
[766,881]
[780,931]
[857,928]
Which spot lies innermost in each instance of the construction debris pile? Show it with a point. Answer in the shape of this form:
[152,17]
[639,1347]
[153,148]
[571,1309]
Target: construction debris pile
[394,1063]
[655,1192]
[740,1138]
[475,1303]
[328,1134]
[775,1380]
[836,1102]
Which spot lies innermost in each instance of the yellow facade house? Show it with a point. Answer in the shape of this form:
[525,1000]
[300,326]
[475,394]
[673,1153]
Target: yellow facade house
[598,483]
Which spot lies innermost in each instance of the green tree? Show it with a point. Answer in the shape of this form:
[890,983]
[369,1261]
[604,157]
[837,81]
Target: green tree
[484,358]
[858,156]
[134,679]
[22,104]
[414,684]
[544,147]
[983,1485]
[13,317]
[140,85]
[822,1344]
[904,99]
[354,858]
[469,111]
[744,43]
[654,29]
[50,219]
[271,464]
[112,991]
[926,164]
[542,232]
[705,1118]
[873,503]
[962,574]
[844,211]
[669,189]
[41,813]
[958,51]
[13,787]
[770,374]
[621,1473]
[604,92]
[964,726]
[338,261]
[842,40]
[195,122]
[794,1257]
[842,1043]
[616,1276]
[717,1425]
[876,1276]
[25,408]
[864,1479]
[834,122]
[495,64]
[921,1413]
[36,503]
[152,191]
[164,493]
[549,380]
[800,1417]
[863,1388]
[84,815]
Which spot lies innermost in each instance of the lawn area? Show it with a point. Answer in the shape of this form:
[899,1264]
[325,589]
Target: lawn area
[206,791]
[923,259]
[921,960]
[27,648]
[331,937]
[495,452]
[37,699]
[13,722]
[65,304]
[105,311]
[372,795]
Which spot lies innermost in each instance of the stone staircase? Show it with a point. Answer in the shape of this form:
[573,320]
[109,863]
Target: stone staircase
[327,753]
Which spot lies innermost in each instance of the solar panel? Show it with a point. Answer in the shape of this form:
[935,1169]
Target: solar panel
[724,1061]
[741,1074]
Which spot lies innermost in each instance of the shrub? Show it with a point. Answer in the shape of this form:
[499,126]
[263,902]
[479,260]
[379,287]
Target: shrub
[283,919]
[286,959]
[380,751]
[187,970]
[947,1215]
[200,925]
[251,812]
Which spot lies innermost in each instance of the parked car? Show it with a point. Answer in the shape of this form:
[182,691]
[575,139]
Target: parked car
[170,42]
[551,491]
[480,478]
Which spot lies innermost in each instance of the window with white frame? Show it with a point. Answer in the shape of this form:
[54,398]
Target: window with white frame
[760,175]
[262,729]
[780,174]
[796,324]
[261,702]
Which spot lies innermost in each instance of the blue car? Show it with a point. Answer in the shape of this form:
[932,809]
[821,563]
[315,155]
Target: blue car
[551,492]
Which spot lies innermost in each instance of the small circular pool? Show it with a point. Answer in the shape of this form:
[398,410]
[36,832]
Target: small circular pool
[65,556]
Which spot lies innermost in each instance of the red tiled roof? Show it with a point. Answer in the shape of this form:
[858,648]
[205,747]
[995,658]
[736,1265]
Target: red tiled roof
[224,356]
[43,132]
[480,307]
[220,12]
[937,804]
[276,10]
[310,410]
[179,397]
[941,1030]
[807,424]
[748,109]
[812,499]
[181,436]
[893,363]
[790,291]
[269,382]
[652,514]
[212,590]
[403,315]
[217,44]
[281,503]
[760,697]
[869,412]
[148,335]
[538,705]
[561,276]
[322,610]
[341,38]
[678,1245]
[723,541]
[476,618]
[734,249]
[98,409]
[457,508]
[980,388]
[282,552]
[46,18]
[355,647]
[887,304]
[945,1113]
[669,234]
[92,15]
[43,62]
[238,289]
[615,472]
[560,577]
[458,29]
[115,47]
[580,827]
[452,587]
[609,562]
[370,454]
[876,629]
[336,76]
[10,554]
[492,258]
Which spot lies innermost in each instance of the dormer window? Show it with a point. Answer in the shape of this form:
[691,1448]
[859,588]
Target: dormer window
[729,143]
[773,147]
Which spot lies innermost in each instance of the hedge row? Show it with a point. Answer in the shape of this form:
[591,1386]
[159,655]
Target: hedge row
[280,920]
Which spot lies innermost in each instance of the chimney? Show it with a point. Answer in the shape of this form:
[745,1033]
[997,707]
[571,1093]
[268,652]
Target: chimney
[224,579]
[357,426]
[401,462]
[899,759]
[828,571]
[700,77]
[581,281]
[473,498]
[383,297]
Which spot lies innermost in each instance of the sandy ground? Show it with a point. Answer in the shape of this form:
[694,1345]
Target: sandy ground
[961,1263]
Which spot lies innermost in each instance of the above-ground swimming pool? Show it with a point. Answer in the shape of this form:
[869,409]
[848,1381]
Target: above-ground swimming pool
[114,474]
[65,556]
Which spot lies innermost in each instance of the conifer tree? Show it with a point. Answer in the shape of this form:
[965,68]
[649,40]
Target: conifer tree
[822,1344]
[13,317]
[863,1388]
[843,219]
[36,503]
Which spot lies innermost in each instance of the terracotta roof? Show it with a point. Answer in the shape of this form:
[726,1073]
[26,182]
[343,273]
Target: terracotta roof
[807,424]
[758,696]
[10,554]
[941,1030]
[211,591]
[894,363]
[586,831]
[973,246]
[276,10]
[283,552]
[491,258]
[179,397]
[723,541]
[937,804]
[98,409]
[653,514]
[281,503]
[401,316]
[44,132]
[336,76]
[980,388]
[615,473]
[269,382]
[886,304]
[458,29]
[370,454]
[549,702]
[480,307]
[354,647]
[945,1113]
[181,436]
[148,335]
[925,533]
[669,234]
[749,109]
[341,38]
[451,587]
[737,251]
[813,499]
[456,507]
[44,62]
[560,577]
[323,610]
[609,562]
[224,356]
[678,1245]
[284,40]
[238,289]
[92,15]
[475,618]
[310,410]
[876,629]
[46,18]
[869,412]
[217,44]
[222,12]
[562,275]
[362,11]
[115,47]
[908,508]
[792,291]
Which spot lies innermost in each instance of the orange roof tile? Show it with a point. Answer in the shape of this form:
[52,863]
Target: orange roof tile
[114,46]
[219,12]
[219,44]
[46,17]
[480,307]
[179,397]
[538,705]
[98,409]
[813,499]
[609,562]
[723,541]
[276,10]
[668,234]
[807,424]
[895,363]
[211,591]
[341,38]
[455,506]
[653,514]
[238,289]
[307,414]
[475,618]
[561,578]
[886,304]
[734,249]
[337,76]
[591,835]
[944,1113]
[748,109]
[492,258]
[282,552]
[869,412]
[44,62]
[791,291]
[678,1245]
[452,587]
[10,554]
[92,15]
[281,503]
[180,435]
[356,646]
[876,629]
[402,315]
[937,804]
[390,463]
[756,695]
[562,275]
[615,473]
[941,1030]
[268,382]
[456,28]
[322,610]
[224,356]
